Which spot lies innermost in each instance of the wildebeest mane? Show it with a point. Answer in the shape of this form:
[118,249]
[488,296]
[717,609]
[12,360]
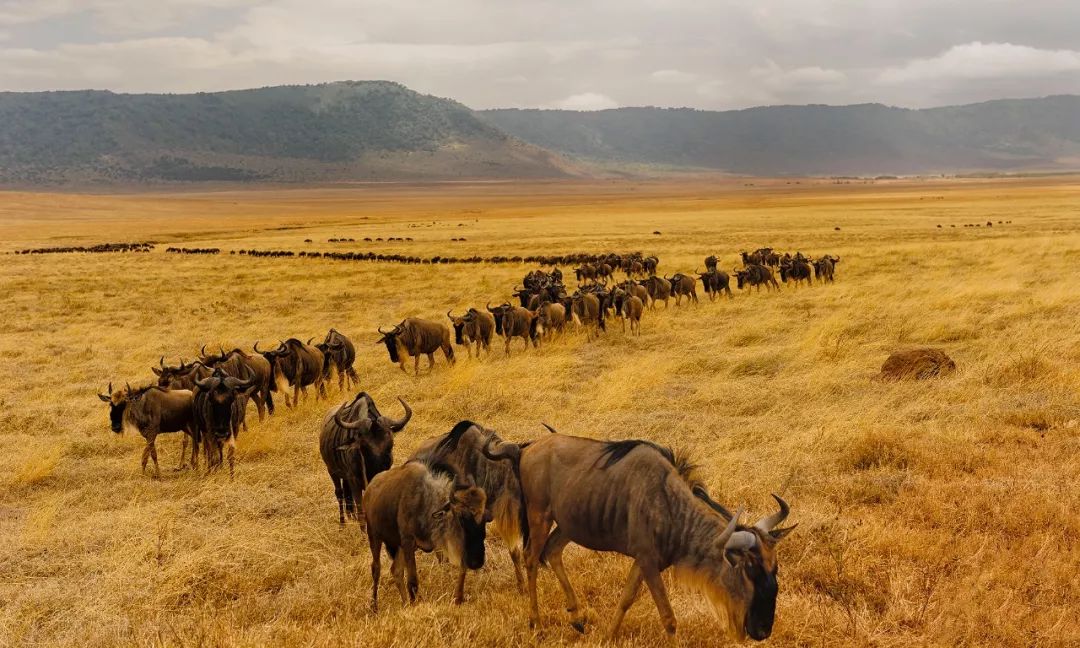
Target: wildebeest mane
[616,451]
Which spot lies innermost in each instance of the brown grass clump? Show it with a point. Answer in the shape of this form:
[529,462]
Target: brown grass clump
[935,513]
[917,364]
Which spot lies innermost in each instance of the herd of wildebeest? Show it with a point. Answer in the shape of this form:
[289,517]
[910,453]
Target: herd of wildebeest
[631,497]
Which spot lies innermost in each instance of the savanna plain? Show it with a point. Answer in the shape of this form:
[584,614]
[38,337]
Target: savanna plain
[938,512]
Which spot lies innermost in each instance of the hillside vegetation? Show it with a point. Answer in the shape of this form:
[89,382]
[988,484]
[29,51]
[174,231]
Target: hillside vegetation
[936,513]
[857,140]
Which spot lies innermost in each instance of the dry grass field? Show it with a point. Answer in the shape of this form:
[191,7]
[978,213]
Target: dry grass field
[942,512]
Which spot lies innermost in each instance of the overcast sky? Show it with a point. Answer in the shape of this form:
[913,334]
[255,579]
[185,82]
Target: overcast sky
[581,54]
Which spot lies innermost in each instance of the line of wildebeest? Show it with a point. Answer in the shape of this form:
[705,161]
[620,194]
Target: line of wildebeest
[630,496]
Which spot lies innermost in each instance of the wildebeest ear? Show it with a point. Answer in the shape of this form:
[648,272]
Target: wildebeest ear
[157,372]
[107,399]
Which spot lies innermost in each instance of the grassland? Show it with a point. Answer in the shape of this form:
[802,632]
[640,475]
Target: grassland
[931,513]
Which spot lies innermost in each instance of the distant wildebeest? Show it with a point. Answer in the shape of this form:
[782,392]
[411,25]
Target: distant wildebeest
[417,506]
[796,270]
[715,282]
[416,337]
[825,268]
[752,258]
[356,443]
[636,289]
[550,320]
[297,365]
[339,354]
[632,308]
[653,512]
[755,275]
[650,265]
[587,312]
[683,285]
[710,263]
[151,411]
[182,376]
[586,272]
[463,447]
[475,327]
[234,362]
[218,411]
[659,290]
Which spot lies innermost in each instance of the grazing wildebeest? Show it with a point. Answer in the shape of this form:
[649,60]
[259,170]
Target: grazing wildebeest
[715,282]
[297,365]
[825,268]
[339,354]
[357,443]
[416,506]
[415,337]
[474,327]
[659,290]
[234,362]
[218,412]
[519,322]
[652,511]
[797,270]
[683,285]
[151,411]
[550,319]
[632,308]
[756,274]
[588,313]
[463,447]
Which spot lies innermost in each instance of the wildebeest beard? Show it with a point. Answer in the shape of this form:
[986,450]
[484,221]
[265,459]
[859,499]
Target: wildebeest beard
[116,415]
[458,328]
[475,534]
[391,346]
[221,407]
[762,612]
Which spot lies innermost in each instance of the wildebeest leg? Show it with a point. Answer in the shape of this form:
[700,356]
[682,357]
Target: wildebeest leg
[339,492]
[194,453]
[553,552]
[183,450]
[376,550]
[516,559]
[539,527]
[659,593]
[397,570]
[353,378]
[153,455]
[408,548]
[416,365]
[629,595]
[506,350]
[459,589]
[231,454]
[259,405]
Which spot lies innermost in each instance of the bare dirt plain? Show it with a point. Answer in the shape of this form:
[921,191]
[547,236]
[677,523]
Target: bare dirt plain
[932,513]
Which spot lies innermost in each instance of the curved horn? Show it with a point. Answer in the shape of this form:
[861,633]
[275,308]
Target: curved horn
[383,332]
[549,428]
[490,309]
[506,452]
[399,425]
[257,347]
[769,523]
[449,315]
[207,383]
[310,339]
[360,422]
[202,351]
[162,362]
[221,350]
[729,530]
[110,388]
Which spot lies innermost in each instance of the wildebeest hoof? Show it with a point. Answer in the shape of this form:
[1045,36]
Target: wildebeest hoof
[578,625]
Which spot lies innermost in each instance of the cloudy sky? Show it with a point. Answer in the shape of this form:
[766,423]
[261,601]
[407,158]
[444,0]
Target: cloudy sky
[581,54]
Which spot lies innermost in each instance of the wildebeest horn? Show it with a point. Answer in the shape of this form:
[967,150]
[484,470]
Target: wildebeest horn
[449,315]
[360,422]
[310,339]
[549,428]
[162,362]
[127,388]
[110,388]
[399,425]
[769,523]
[207,383]
[729,530]
[489,307]
[384,332]
[202,351]
[257,347]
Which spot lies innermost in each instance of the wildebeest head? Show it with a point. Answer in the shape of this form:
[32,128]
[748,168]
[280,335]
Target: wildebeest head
[177,377]
[741,276]
[372,432]
[499,312]
[390,339]
[466,510]
[118,401]
[459,324]
[742,584]
[221,391]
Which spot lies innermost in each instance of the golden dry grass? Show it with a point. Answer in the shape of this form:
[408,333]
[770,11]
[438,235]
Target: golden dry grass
[931,513]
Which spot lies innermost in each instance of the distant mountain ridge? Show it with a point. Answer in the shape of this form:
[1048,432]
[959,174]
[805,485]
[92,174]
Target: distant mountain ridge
[355,130]
[380,130]
[1003,135]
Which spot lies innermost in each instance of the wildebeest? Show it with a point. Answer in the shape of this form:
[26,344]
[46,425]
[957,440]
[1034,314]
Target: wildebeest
[416,506]
[234,362]
[519,322]
[182,376]
[650,265]
[356,443]
[151,411]
[683,285]
[550,320]
[218,411]
[796,269]
[637,499]
[756,274]
[339,354]
[587,272]
[659,290]
[632,308]
[474,327]
[415,337]
[825,268]
[715,282]
[462,448]
[297,365]
[587,312]
[710,263]
[636,289]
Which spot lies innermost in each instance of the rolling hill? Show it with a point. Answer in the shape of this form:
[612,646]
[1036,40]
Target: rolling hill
[1005,135]
[370,130]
